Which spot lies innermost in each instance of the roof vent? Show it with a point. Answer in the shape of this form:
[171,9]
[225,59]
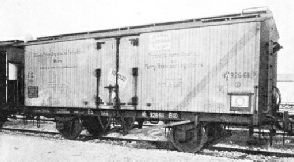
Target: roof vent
[262,9]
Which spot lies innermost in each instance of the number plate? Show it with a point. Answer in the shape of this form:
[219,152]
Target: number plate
[33,92]
[173,115]
[104,113]
[62,112]
[156,115]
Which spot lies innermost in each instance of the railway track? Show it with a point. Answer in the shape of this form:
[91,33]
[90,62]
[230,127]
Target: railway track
[29,131]
[252,152]
[213,150]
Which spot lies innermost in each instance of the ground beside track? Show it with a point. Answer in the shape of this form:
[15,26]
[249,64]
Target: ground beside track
[18,147]
[237,140]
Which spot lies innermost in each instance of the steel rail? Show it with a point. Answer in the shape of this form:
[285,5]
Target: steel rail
[252,152]
[29,131]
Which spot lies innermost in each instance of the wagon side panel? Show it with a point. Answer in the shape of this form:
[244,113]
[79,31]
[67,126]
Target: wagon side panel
[197,69]
[61,74]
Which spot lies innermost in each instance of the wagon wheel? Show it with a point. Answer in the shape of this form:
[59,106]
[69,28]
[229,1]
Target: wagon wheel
[71,128]
[93,126]
[198,137]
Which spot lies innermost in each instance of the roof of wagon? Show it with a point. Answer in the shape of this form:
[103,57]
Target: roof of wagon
[245,16]
[10,43]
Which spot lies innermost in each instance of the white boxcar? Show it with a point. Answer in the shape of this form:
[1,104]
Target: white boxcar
[212,65]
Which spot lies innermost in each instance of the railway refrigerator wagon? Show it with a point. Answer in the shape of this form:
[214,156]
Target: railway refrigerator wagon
[195,75]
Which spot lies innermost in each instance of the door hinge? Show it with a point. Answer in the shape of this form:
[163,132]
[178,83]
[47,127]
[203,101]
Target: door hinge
[99,45]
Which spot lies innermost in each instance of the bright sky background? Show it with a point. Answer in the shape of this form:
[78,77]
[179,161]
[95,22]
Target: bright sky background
[22,19]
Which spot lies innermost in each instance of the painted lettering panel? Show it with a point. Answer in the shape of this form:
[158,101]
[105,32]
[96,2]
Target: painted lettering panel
[63,73]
